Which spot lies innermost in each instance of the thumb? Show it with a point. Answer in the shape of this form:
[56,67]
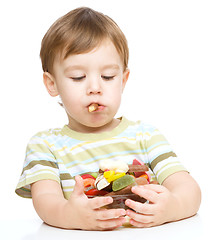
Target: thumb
[79,186]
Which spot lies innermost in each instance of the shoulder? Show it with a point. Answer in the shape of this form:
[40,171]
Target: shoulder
[141,126]
[49,132]
[144,132]
[46,135]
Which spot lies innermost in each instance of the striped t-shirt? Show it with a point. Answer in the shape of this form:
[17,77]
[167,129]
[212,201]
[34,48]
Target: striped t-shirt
[61,154]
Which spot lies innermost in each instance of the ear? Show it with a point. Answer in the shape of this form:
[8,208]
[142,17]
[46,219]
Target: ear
[125,78]
[50,84]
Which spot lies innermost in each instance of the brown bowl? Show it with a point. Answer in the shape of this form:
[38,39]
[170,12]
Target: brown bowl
[119,200]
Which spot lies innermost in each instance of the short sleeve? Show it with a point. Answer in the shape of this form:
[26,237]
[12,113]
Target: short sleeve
[162,160]
[40,164]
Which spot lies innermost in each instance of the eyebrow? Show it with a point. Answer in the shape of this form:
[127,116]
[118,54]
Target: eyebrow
[113,66]
[73,67]
[78,67]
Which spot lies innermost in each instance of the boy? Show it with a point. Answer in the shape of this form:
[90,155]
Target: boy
[85,61]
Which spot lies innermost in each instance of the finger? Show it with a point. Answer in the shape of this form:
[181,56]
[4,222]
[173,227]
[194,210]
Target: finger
[140,224]
[105,214]
[148,194]
[98,202]
[142,218]
[154,187]
[79,186]
[111,224]
[147,209]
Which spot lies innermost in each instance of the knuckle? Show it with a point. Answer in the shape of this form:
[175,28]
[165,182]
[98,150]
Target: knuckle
[133,205]
[97,202]
[131,214]
[99,226]
[138,224]
[100,215]
[140,218]
[146,220]
[138,207]
[143,208]
[104,215]
[117,213]
[105,225]
[97,215]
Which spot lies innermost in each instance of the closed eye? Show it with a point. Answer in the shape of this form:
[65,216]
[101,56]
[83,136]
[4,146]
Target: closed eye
[108,77]
[77,78]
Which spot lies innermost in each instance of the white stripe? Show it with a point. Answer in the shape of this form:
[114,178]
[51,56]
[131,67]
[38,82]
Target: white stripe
[158,150]
[68,190]
[160,167]
[165,168]
[37,157]
[32,172]
[90,145]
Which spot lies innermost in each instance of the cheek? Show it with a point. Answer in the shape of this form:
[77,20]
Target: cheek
[69,96]
[115,95]
[116,90]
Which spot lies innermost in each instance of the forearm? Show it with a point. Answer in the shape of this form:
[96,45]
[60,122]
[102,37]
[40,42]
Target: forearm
[50,204]
[52,209]
[78,212]
[186,194]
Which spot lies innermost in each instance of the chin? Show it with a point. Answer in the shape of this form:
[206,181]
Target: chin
[98,123]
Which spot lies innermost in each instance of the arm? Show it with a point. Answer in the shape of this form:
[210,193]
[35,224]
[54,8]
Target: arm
[78,212]
[179,197]
[187,193]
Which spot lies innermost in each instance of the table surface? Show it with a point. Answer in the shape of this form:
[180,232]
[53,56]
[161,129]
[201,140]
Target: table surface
[19,221]
[31,229]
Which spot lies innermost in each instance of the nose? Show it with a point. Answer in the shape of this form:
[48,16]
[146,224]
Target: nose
[94,87]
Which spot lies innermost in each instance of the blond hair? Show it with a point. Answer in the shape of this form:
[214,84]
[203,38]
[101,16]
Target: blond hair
[80,31]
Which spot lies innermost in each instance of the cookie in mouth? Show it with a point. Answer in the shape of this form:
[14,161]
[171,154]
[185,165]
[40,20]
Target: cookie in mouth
[95,107]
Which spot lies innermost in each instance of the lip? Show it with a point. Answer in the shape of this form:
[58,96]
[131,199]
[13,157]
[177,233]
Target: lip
[100,106]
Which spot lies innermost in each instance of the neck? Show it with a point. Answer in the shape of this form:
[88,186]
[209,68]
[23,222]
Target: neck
[86,129]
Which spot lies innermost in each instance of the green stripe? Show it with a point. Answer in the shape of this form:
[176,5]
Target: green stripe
[161,158]
[25,184]
[155,139]
[124,123]
[169,165]
[26,189]
[114,156]
[41,148]
[100,151]
[67,194]
[65,176]
[40,162]
[166,173]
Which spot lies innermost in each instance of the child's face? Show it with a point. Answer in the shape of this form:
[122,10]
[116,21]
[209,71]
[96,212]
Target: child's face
[83,79]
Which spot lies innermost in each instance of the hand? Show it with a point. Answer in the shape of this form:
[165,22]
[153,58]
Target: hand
[87,213]
[160,209]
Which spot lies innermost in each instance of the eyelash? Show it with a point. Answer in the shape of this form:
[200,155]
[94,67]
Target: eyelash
[77,78]
[107,78]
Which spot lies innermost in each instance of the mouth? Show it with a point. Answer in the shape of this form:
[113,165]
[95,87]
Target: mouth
[95,107]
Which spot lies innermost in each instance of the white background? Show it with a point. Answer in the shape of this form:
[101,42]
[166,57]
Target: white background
[171,85]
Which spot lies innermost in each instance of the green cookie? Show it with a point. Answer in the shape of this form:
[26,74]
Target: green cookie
[122,182]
